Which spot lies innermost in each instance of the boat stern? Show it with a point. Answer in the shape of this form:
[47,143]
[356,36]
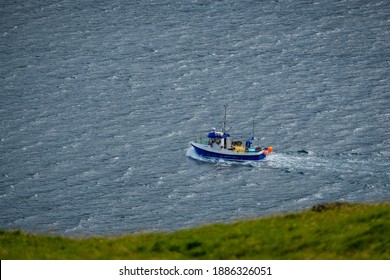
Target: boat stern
[268,151]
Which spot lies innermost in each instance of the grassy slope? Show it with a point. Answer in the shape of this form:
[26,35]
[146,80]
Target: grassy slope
[334,231]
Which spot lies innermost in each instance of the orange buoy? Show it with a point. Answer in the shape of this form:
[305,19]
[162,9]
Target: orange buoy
[268,150]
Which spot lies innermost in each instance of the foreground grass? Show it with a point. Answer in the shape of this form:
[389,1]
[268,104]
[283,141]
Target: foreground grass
[331,231]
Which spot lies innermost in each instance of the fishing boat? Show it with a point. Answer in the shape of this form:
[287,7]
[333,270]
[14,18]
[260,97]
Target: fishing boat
[221,145]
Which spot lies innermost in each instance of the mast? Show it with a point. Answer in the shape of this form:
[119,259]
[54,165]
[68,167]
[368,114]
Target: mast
[253,128]
[224,121]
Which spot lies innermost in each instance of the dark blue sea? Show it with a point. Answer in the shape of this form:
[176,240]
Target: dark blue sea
[100,99]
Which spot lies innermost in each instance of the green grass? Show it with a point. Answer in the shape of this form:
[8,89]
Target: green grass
[331,231]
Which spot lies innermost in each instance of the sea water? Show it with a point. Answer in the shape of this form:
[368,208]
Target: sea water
[100,99]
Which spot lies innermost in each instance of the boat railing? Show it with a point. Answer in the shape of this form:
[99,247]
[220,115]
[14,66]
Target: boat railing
[204,140]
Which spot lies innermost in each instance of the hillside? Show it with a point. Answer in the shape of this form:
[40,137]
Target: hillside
[329,231]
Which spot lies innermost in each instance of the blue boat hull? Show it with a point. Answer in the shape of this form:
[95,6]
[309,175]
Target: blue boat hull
[233,157]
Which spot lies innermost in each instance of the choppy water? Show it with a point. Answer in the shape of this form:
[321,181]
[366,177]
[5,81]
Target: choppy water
[99,100]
